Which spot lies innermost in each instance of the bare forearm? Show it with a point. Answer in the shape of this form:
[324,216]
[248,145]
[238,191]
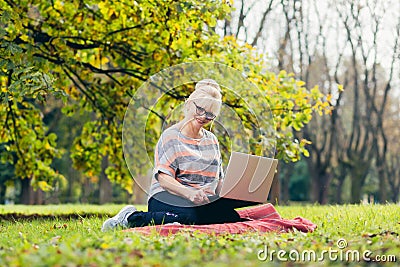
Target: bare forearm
[173,186]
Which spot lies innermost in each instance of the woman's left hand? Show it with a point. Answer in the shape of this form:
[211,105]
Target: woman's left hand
[198,197]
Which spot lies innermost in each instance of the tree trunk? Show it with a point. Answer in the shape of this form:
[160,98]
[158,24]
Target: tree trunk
[26,196]
[320,180]
[38,197]
[74,180]
[141,188]
[320,187]
[286,173]
[339,189]
[87,191]
[357,182]
[3,189]
[275,189]
[105,187]
[322,192]
[383,197]
[324,189]
[395,195]
[358,173]
[356,186]
[29,196]
[139,195]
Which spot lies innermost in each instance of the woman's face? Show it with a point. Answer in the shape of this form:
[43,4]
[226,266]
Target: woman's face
[201,112]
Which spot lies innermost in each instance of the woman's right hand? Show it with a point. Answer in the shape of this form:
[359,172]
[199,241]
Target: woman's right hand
[198,196]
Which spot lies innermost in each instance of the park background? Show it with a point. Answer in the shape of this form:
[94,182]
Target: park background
[329,71]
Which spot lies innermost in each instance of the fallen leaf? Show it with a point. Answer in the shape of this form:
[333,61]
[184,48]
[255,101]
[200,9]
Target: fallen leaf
[136,253]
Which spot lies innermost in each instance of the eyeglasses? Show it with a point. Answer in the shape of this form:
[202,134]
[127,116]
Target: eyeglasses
[201,111]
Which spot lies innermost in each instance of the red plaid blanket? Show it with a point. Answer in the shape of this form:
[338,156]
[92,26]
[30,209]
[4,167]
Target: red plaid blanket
[263,218]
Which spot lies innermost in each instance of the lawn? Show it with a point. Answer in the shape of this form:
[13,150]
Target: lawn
[69,235]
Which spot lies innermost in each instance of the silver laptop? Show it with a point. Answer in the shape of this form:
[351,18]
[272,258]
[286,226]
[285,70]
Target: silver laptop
[248,177]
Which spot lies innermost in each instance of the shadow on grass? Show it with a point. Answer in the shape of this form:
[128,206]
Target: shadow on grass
[36,216]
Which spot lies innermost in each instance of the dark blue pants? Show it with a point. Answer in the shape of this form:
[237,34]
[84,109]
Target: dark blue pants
[165,208]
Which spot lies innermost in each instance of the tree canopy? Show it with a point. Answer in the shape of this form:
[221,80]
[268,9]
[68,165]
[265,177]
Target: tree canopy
[96,54]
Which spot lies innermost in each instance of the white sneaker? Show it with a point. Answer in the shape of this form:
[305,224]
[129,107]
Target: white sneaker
[121,219]
[173,223]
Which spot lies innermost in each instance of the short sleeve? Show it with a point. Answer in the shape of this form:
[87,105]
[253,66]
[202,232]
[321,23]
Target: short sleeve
[164,157]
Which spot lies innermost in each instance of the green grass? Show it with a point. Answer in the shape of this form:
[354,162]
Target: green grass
[71,236]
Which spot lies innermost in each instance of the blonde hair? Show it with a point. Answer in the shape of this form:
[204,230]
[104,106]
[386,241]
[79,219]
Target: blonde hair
[207,94]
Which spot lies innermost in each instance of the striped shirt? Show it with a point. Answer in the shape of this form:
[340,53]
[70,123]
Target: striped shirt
[195,163]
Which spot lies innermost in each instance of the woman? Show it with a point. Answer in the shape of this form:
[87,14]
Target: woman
[187,171]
